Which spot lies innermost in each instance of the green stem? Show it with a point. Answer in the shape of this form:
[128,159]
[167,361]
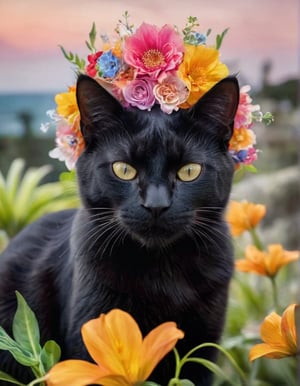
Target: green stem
[275,294]
[253,372]
[218,347]
[256,240]
[177,363]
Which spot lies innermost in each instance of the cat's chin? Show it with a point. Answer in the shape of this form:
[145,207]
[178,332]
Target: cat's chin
[155,240]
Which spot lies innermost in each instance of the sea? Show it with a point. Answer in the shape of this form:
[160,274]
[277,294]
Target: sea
[16,108]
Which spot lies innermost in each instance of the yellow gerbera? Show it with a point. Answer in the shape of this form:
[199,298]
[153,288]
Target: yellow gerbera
[67,104]
[123,357]
[201,69]
[279,335]
[266,263]
[243,216]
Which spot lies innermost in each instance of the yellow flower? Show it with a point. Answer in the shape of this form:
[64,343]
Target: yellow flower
[279,335]
[123,357]
[243,216]
[67,105]
[241,139]
[201,69]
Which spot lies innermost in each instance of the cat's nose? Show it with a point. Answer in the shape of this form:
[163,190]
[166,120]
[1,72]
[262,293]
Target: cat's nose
[157,199]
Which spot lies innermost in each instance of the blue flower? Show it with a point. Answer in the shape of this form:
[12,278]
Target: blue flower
[108,65]
[195,38]
[239,156]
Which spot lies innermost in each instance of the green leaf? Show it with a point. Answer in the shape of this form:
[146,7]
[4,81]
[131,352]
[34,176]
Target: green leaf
[25,328]
[149,383]
[31,180]
[92,35]
[8,378]
[186,382]
[219,38]
[50,354]
[180,382]
[13,178]
[22,356]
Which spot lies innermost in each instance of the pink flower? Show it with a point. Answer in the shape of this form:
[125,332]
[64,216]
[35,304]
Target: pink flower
[69,141]
[139,93]
[243,117]
[170,93]
[251,156]
[153,51]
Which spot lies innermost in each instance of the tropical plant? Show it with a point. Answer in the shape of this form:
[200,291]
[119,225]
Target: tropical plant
[24,197]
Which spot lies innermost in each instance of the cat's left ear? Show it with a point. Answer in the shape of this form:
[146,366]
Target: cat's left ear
[219,106]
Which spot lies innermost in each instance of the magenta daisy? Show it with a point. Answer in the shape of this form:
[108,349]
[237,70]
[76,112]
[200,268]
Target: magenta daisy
[154,51]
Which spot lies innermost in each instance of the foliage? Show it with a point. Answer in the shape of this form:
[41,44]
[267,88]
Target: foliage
[24,198]
[25,346]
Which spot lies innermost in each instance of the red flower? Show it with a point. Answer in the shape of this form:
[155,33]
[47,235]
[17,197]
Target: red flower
[91,69]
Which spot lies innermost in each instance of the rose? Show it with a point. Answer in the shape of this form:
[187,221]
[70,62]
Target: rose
[170,93]
[139,93]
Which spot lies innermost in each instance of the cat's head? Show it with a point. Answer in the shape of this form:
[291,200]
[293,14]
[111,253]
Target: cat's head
[159,176]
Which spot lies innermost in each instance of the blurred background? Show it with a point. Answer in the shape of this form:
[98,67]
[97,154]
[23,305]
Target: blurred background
[262,47]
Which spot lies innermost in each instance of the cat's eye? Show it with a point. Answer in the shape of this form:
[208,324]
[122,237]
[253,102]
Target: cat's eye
[189,172]
[124,171]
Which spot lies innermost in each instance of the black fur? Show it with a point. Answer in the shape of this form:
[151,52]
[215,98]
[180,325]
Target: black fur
[154,246]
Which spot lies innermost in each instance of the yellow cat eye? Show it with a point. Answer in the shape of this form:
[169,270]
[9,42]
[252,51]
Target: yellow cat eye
[124,171]
[189,172]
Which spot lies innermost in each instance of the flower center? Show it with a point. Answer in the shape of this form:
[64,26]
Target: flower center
[153,58]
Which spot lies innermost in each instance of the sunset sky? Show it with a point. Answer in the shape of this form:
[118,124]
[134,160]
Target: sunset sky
[30,31]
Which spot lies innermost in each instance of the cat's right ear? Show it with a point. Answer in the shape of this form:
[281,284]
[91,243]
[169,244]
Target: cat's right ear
[95,104]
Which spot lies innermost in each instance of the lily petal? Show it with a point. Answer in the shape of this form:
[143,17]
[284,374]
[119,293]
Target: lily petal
[265,350]
[74,373]
[288,327]
[156,345]
[107,343]
[270,330]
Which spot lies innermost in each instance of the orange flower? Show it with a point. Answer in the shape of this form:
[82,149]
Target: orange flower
[241,139]
[67,105]
[279,335]
[123,357]
[201,69]
[243,216]
[266,263]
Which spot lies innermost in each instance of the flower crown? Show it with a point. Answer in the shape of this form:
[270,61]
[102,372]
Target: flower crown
[147,66]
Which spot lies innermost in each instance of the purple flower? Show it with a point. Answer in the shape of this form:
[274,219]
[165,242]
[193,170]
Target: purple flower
[139,93]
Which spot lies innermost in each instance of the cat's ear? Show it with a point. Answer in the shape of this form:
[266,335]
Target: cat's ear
[219,105]
[95,104]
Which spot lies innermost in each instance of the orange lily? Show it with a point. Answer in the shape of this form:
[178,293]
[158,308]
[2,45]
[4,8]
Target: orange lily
[243,216]
[266,263]
[122,356]
[279,334]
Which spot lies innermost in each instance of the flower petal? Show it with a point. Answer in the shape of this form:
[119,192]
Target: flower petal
[270,330]
[107,343]
[288,328]
[268,351]
[156,345]
[74,372]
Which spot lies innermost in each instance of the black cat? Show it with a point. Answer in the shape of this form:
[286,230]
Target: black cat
[150,238]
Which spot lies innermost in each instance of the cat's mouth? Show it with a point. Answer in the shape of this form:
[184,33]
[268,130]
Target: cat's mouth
[155,235]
